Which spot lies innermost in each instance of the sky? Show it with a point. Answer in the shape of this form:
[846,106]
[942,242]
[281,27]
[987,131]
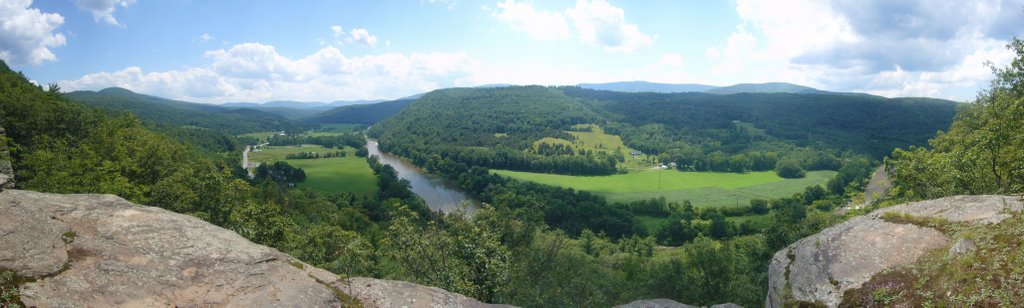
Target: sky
[264,50]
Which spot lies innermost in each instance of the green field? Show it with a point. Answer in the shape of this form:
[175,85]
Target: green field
[337,174]
[340,127]
[597,140]
[703,189]
[261,136]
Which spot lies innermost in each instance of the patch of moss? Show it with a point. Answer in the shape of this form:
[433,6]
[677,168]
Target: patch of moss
[68,237]
[937,223]
[345,300]
[10,288]
[296,264]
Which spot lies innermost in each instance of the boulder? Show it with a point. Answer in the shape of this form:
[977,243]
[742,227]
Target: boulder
[389,293]
[820,268]
[103,251]
[655,303]
[668,303]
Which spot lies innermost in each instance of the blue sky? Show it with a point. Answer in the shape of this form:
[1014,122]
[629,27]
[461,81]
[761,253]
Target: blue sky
[224,51]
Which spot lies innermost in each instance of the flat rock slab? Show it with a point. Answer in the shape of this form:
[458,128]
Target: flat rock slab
[103,251]
[395,294]
[821,267]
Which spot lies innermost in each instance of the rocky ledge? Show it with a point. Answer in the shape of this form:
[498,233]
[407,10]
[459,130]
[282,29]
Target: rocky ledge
[103,251]
[820,268]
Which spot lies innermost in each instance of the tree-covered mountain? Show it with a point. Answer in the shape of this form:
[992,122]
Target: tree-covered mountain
[498,128]
[862,123]
[180,113]
[769,87]
[367,114]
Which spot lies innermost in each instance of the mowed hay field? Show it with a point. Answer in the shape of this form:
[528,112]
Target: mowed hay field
[703,189]
[335,175]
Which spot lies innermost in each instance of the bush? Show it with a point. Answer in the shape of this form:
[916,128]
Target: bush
[789,169]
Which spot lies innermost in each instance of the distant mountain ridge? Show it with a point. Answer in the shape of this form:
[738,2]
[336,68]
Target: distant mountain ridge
[644,86]
[360,114]
[320,106]
[181,113]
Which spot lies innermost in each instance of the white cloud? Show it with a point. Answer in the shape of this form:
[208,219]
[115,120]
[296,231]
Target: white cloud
[27,34]
[602,24]
[596,22]
[541,25]
[450,4]
[882,47]
[103,9]
[362,37]
[256,72]
[338,31]
[205,37]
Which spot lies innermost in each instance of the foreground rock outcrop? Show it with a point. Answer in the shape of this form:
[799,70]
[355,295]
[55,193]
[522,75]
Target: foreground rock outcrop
[820,268]
[668,303]
[103,251]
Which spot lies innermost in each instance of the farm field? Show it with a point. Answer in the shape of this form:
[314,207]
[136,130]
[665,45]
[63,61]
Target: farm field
[703,189]
[597,140]
[261,136]
[336,175]
[340,127]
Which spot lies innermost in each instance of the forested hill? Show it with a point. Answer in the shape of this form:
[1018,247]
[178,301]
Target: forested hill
[179,113]
[863,123]
[500,127]
[360,114]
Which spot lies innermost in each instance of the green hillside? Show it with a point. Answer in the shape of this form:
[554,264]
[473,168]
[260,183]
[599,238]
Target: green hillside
[179,113]
[367,114]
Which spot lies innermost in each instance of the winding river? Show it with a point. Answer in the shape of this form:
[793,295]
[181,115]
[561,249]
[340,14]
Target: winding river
[439,194]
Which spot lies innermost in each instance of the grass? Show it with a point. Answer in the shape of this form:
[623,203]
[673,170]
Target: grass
[350,174]
[703,189]
[596,140]
[261,136]
[340,127]
[649,223]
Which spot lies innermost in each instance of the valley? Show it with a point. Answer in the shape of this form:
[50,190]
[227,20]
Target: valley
[558,182]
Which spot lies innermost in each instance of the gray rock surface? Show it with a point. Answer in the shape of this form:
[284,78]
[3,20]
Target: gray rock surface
[819,268]
[103,251]
[962,247]
[655,303]
[668,303]
[389,293]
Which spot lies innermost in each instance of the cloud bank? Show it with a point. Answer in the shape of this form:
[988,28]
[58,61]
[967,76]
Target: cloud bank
[257,72]
[597,23]
[27,34]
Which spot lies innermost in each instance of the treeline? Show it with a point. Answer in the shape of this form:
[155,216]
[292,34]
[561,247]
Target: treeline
[981,153]
[354,140]
[280,172]
[315,155]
